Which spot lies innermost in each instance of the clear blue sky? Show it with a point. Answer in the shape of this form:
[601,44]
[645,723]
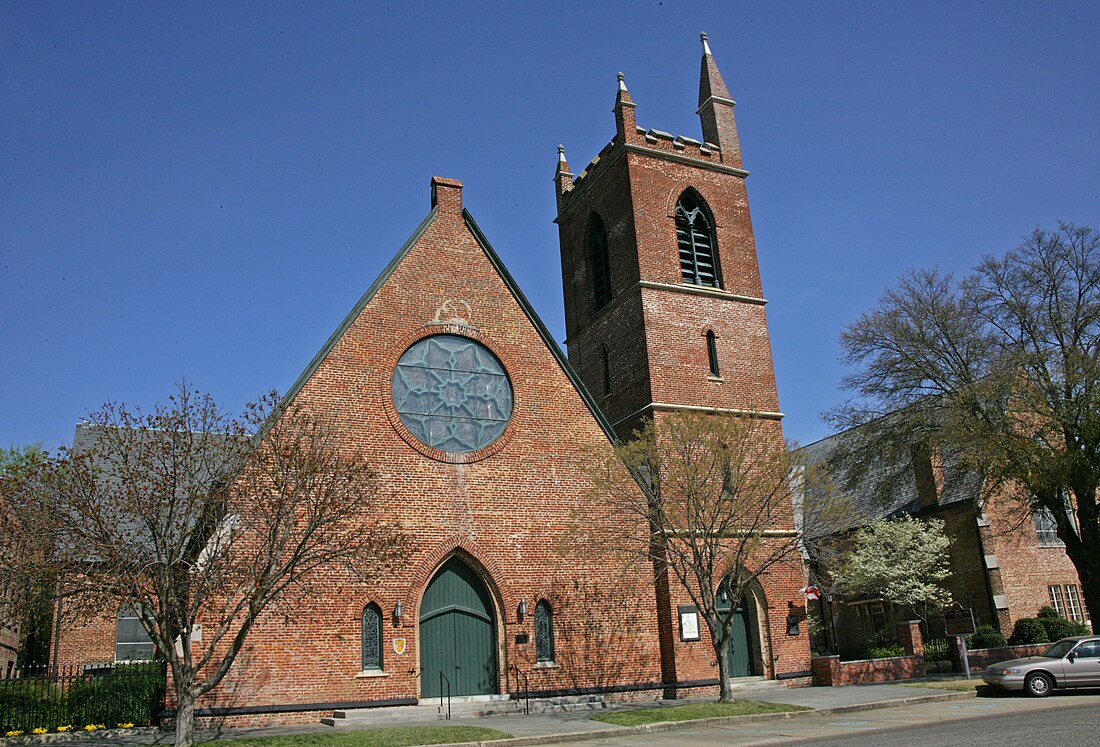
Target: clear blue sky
[205,189]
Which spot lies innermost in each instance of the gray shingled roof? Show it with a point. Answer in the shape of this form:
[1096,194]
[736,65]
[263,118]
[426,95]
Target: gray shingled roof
[888,488]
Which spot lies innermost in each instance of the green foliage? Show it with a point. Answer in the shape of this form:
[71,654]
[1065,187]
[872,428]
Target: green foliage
[937,649]
[986,636]
[1028,630]
[1059,627]
[886,652]
[904,561]
[1046,612]
[132,693]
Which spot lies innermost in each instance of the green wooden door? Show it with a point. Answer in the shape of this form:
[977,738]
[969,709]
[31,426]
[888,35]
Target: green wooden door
[457,635]
[740,654]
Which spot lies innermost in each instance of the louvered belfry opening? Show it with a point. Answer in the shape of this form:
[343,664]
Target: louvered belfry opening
[600,262]
[695,237]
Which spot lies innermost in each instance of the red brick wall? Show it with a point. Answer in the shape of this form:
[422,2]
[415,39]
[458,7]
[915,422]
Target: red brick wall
[1026,568]
[655,331]
[830,671]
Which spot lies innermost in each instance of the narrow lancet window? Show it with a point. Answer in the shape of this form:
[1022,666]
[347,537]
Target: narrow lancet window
[372,638]
[606,360]
[712,353]
[544,632]
[600,263]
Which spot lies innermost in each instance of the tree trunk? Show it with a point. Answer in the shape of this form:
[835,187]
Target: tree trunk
[722,650]
[1088,573]
[185,717]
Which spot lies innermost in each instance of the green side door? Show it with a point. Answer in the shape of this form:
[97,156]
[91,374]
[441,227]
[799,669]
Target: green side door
[457,634]
[740,655]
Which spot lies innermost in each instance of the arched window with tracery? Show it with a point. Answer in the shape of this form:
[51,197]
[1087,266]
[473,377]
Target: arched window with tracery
[600,263]
[695,239]
[372,637]
[544,632]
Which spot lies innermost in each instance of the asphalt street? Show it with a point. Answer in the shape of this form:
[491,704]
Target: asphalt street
[1064,719]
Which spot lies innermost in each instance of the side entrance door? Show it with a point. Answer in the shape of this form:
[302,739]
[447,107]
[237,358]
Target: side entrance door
[457,634]
[740,655]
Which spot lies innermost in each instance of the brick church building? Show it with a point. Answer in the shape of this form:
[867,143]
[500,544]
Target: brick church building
[444,373]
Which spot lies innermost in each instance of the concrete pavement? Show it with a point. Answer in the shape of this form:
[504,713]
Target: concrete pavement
[828,705]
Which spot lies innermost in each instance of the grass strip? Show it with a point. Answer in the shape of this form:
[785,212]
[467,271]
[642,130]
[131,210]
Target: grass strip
[403,736]
[693,711]
[961,684]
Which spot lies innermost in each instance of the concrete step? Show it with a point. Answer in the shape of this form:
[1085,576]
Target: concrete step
[461,707]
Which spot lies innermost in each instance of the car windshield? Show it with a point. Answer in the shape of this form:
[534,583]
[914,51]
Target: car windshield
[1059,649]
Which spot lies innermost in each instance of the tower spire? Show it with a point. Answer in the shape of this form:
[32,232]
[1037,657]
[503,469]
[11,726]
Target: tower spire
[624,112]
[716,109]
[563,177]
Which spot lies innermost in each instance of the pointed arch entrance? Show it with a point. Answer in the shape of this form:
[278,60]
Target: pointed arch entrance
[457,633]
[744,656]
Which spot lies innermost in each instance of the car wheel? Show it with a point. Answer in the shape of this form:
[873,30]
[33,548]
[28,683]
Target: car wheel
[1038,685]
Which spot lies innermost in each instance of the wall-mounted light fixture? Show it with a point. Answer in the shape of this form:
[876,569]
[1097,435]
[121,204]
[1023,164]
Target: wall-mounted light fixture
[522,611]
[398,612]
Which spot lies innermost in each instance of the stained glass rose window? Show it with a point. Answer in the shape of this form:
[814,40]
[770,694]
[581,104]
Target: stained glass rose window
[452,393]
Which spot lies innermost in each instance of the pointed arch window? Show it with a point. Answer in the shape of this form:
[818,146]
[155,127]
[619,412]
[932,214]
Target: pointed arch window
[712,353]
[372,638]
[544,633]
[695,239]
[600,263]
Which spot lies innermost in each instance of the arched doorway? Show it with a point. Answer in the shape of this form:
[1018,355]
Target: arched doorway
[743,632]
[457,633]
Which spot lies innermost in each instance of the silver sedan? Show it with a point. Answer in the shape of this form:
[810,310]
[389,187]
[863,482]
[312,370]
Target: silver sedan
[1071,662]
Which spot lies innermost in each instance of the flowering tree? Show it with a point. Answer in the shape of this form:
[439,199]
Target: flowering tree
[904,561]
[196,520]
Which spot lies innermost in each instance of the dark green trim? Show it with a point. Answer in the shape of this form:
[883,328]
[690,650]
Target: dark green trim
[350,318]
[539,326]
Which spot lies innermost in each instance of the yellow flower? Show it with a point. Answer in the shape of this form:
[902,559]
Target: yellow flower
[90,727]
[65,728]
[39,730]
[14,733]
[126,726]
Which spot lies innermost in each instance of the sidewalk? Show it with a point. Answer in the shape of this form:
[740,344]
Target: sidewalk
[565,726]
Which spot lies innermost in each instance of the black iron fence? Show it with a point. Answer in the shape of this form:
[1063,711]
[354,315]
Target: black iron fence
[72,698]
[937,649]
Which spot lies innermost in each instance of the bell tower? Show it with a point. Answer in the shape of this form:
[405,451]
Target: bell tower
[664,309]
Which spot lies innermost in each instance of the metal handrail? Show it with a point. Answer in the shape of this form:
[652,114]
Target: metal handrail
[442,679]
[526,689]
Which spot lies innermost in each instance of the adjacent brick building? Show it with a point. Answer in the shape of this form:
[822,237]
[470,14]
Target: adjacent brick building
[481,430]
[1004,564]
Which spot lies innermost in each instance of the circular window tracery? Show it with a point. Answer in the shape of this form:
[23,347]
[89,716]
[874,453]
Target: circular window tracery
[452,393]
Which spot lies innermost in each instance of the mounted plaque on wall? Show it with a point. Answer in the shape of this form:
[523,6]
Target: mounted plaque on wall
[689,623]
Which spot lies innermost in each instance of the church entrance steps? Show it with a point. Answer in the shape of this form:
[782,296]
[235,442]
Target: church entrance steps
[461,707]
[756,685]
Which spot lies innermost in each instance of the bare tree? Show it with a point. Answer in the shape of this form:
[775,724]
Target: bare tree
[1000,371]
[708,499]
[196,520]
